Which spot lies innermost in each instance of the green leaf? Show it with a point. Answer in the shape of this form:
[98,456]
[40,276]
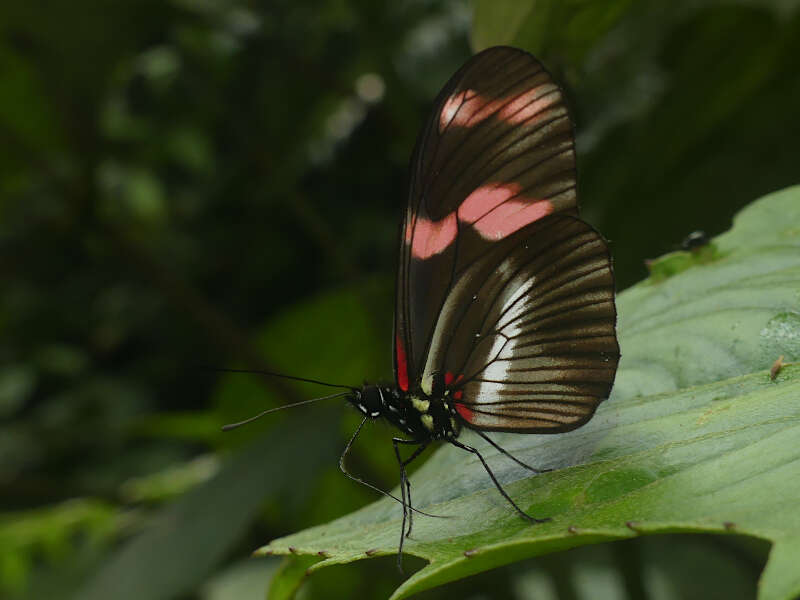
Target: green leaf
[696,436]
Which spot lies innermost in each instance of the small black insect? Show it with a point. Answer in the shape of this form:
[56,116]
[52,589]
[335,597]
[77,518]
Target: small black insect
[695,240]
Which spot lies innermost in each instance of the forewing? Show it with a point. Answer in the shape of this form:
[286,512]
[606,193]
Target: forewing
[496,156]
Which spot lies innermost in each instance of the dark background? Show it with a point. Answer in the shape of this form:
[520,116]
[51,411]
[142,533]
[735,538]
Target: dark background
[193,183]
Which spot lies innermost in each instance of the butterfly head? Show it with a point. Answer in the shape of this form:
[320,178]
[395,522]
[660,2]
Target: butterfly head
[369,401]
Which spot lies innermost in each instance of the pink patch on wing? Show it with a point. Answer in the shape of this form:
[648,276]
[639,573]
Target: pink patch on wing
[465,412]
[522,109]
[495,216]
[476,110]
[510,217]
[402,365]
[468,108]
[484,199]
[432,237]
[489,209]
[452,107]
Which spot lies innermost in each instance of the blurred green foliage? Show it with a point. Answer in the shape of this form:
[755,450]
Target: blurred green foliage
[191,183]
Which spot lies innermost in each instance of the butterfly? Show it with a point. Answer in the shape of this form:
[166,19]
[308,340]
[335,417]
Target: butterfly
[505,317]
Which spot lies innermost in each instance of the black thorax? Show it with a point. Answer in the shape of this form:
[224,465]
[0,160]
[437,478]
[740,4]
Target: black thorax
[421,416]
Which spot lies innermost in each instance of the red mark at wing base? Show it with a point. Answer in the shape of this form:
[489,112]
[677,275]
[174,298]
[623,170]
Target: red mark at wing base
[465,412]
[402,364]
[450,379]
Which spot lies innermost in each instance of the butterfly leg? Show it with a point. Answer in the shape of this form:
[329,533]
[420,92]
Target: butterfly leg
[502,450]
[344,470]
[499,487]
[405,490]
[349,475]
[405,482]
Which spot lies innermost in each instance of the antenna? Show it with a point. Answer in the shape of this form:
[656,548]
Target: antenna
[281,375]
[277,408]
